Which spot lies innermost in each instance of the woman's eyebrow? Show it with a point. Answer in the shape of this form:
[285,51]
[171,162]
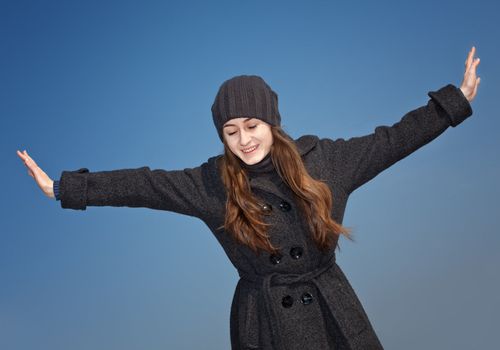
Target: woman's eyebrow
[243,122]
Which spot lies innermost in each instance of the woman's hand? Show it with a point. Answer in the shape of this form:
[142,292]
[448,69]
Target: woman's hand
[43,181]
[470,82]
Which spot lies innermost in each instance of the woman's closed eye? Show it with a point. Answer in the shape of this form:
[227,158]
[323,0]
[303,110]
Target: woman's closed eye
[250,127]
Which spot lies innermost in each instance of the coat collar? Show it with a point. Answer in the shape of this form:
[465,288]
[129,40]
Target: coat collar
[275,185]
[306,143]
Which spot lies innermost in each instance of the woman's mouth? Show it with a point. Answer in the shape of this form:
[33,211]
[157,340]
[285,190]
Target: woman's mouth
[249,150]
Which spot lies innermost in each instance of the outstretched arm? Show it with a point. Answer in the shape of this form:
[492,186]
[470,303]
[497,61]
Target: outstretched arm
[192,191]
[181,191]
[359,159]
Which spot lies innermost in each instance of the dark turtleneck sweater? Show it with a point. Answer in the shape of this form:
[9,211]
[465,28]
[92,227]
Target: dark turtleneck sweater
[264,166]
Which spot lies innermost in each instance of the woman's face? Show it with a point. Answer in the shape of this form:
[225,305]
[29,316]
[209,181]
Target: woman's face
[244,134]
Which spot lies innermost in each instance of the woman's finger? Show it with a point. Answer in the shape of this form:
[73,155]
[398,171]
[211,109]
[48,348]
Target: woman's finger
[28,162]
[34,169]
[472,72]
[31,162]
[467,60]
[474,92]
[21,155]
[474,66]
[27,155]
[470,58]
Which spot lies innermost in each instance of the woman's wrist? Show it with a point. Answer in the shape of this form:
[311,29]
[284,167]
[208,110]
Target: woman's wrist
[467,93]
[50,190]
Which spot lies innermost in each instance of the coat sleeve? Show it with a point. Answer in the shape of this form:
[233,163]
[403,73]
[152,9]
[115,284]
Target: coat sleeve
[187,191]
[359,159]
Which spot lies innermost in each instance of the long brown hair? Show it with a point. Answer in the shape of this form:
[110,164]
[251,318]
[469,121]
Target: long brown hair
[244,211]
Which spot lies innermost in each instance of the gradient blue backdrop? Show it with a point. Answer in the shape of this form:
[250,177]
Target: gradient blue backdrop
[123,84]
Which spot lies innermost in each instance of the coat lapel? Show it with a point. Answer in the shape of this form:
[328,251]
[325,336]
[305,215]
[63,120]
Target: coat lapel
[267,185]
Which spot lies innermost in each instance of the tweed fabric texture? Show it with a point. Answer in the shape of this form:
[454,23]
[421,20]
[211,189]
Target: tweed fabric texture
[245,96]
[303,302]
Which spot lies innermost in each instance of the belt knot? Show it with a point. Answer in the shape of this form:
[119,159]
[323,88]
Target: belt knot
[277,278]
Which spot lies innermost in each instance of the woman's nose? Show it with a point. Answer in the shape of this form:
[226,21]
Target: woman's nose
[244,138]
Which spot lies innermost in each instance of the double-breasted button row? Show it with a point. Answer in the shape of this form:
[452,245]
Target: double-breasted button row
[275,258]
[284,206]
[267,207]
[295,253]
[306,298]
[287,300]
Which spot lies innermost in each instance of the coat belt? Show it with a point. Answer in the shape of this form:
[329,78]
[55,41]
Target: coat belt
[277,278]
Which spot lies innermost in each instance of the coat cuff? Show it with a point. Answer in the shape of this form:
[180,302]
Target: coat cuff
[73,189]
[55,188]
[453,102]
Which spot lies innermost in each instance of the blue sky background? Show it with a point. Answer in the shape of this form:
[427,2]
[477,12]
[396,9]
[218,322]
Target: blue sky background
[123,84]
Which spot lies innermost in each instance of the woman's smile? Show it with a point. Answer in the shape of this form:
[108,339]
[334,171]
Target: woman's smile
[250,150]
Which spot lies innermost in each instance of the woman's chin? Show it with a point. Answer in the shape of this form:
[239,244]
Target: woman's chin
[251,159]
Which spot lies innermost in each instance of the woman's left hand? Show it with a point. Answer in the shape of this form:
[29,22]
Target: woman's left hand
[470,82]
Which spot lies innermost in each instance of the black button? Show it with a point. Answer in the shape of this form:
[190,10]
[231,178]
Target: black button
[267,207]
[296,252]
[287,301]
[275,258]
[285,206]
[306,298]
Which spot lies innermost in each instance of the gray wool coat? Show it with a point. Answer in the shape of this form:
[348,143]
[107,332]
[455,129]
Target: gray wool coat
[299,299]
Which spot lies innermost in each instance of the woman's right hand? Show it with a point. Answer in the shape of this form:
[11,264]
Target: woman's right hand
[43,180]
[470,82]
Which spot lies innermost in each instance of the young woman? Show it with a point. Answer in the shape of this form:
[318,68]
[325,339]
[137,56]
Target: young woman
[276,205]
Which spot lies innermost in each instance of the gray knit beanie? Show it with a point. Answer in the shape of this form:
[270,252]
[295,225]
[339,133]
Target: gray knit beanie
[245,96]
